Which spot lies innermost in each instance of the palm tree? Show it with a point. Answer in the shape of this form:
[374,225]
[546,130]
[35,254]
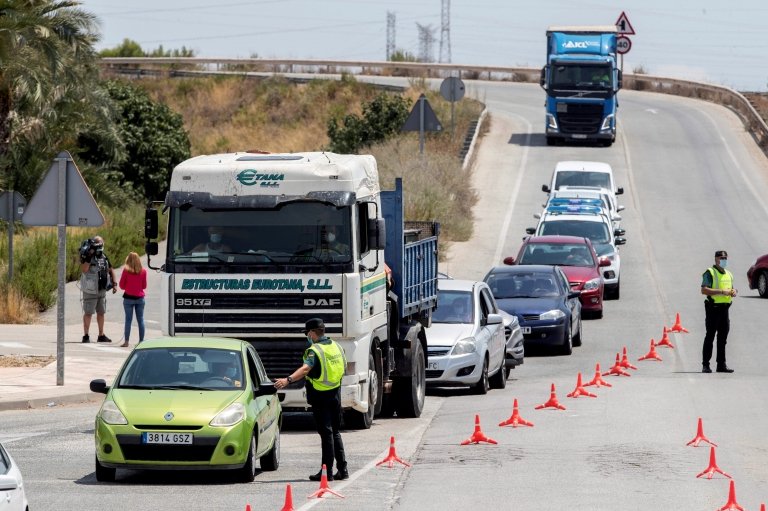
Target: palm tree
[46,58]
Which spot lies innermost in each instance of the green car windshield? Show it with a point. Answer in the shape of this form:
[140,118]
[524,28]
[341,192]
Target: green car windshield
[183,368]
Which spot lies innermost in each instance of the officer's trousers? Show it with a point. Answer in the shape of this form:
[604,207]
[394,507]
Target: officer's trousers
[717,324]
[326,409]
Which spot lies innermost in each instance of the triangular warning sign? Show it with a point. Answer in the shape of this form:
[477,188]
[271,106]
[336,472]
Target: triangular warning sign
[81,208]
[623,25]
[413,123]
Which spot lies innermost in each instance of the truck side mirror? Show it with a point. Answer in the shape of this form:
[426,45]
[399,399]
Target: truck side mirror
[150,223]
[377,234]
[543,77]
[545,188]
[150,248]
[619,80]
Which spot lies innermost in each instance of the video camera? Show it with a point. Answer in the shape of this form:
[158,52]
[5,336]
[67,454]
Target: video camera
[90,248]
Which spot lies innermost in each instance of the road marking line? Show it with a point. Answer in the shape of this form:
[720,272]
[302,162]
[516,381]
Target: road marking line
[11,344]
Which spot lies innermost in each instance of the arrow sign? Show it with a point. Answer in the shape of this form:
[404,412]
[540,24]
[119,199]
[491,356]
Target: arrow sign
[624,26]
[81,208]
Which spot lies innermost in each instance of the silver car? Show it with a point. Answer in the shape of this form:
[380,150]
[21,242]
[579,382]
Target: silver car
[12,496]
[466,343]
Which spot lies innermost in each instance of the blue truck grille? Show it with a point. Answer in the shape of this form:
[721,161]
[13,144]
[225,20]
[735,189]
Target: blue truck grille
[581,118]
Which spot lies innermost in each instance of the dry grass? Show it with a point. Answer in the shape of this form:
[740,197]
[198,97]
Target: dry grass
[15,308]
[25,360]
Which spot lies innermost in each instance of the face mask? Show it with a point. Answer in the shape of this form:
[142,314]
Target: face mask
[309,340]
[723,263]
[331,237]
[215,238]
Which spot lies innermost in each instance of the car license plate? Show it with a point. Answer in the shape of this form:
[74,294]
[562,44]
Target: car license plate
[526,330]
[433,366]
[579,136]
[167,438]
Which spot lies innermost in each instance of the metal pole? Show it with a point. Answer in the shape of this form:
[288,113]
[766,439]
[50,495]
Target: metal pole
[62,263]
[10,235]
[421,123]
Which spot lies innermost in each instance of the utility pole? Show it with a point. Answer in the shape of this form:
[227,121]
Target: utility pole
[390,34]
[445,32]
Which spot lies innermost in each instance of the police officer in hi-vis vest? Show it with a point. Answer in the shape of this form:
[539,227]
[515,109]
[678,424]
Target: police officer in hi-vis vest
[717,284]
[324,366]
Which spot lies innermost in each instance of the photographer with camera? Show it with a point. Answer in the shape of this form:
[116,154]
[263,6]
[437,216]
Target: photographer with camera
[98,277]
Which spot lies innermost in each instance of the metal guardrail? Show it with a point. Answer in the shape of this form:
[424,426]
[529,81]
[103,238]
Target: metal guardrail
[185,66]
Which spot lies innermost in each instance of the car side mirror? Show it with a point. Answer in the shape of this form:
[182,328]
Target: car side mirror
[617,218]
[99,386]
[537,215]
[265,389]
[619,232]
[494,319]
[530,230]
[574,294]
[619,190]
[545,188]
[619,208]
[620,241]
[8,483]
[509,260]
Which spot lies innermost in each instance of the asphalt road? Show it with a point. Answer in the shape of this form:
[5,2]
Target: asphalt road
[694,182]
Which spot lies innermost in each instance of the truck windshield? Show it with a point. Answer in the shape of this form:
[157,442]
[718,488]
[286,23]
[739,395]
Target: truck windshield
[295,233]
[581,77]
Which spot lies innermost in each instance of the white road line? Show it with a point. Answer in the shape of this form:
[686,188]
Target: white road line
[10,344]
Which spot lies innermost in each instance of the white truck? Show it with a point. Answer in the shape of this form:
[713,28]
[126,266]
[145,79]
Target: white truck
[259,243]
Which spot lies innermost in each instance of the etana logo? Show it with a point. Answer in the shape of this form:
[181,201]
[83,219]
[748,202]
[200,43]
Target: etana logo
[583,45]
[250,177]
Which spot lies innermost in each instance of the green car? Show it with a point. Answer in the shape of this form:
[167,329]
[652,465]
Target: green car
[189,403]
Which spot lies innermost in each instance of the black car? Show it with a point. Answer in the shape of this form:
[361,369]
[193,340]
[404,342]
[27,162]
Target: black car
[548,310]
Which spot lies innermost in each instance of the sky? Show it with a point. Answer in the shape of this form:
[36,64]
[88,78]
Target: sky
[720,42]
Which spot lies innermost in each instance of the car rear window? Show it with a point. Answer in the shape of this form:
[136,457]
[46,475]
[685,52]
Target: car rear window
[582,178]
[566,254]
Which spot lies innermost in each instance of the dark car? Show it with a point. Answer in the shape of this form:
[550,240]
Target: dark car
[548,310]
[576,257]
[757,275]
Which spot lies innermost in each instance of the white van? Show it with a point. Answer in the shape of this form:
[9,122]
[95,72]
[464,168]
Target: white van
[592,174]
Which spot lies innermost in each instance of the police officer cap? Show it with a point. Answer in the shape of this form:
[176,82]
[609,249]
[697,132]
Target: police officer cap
[721,253]
[313,324]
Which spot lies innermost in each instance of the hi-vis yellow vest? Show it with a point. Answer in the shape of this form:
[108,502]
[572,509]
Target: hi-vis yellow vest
[720,281]
[332,365]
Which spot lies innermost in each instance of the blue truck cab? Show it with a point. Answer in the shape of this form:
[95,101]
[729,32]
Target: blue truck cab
[581,79]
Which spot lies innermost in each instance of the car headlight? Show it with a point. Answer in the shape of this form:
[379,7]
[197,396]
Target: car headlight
[607,123]
[464,346]
[591,285]
[551,122]
[230,415]
[111,414]
[553,314]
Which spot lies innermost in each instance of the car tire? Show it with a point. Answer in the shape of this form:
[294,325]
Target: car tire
[358,420]
[762,284]
[577,337]
[248,471]
[499,380]
[483,385]
[567,347]
[509,370]
[271,460]
[104,474]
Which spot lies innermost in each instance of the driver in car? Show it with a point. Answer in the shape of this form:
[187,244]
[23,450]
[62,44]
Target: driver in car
[227,371]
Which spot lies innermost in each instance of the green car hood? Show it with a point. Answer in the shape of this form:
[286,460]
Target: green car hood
[189,407]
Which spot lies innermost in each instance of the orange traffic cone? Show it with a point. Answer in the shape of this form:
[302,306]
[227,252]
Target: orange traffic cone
[598,380]
[392,457]
[580,390]
[712,468]
[247,507]
[625,361]
[762,507]
[515,420]
[700,436]
[616,369]
[731,504]
[677,327]
[478,435]
[665,340]
[651,355]
[552,402]
[288,506]
[324,488]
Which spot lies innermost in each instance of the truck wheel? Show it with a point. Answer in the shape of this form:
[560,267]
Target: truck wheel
[358,420]
[412,391]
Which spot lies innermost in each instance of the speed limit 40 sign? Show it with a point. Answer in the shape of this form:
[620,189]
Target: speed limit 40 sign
[623,44]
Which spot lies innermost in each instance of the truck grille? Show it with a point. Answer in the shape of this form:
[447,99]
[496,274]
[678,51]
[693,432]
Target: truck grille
[281,357]
[581,118]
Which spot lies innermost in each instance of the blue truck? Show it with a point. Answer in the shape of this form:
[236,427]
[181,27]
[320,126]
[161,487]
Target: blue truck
[581,79]
[260,243]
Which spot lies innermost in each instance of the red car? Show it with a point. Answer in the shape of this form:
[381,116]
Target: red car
[578,260]
[757,275]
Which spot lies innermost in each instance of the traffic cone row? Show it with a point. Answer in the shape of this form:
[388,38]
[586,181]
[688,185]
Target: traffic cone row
[665,340]
[616,369]
[478,435]
[324,488]
[651,355]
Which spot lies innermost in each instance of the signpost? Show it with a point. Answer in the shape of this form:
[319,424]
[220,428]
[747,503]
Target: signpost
[12,206]
[62,199]
[422,118]
[452,89]
[623,43]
